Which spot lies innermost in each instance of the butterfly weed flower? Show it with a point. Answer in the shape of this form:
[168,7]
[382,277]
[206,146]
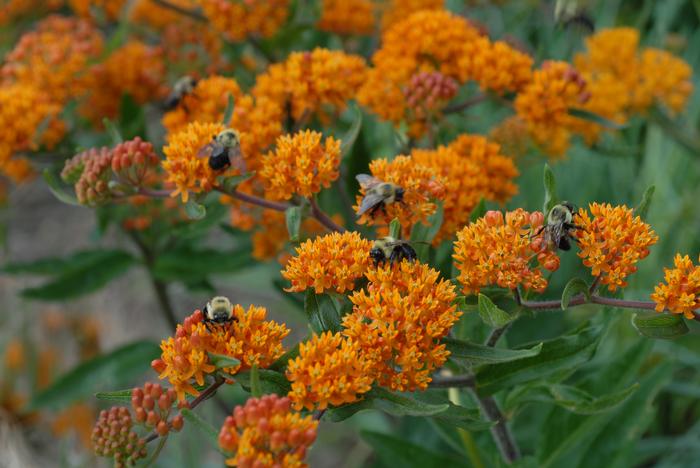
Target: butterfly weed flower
[348,17]
[612,241]
[114,437]
[503,251]
[133,161]
[331,262]
[665,79]
[398,322]
[300,164]
[152,406]
[266,432]
[681,292]
[90,171]
[394,11]
[330,370]
[497,66]
[238,20]
[426,95]
[91,9]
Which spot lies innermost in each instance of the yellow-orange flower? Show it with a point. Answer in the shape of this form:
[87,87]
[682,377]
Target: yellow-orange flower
[612,242]
[330,262]
[500,251]
[399,321]
[330,370]
[134,69]
[347,16]
[497,66]
[300,164]
[664,78]
[250,339]
[421,185]
[511,134]
[266,433]
[545,102]
[394,11]
[54,57]
[681,293]
[109,8]
[237,20]
[157,16]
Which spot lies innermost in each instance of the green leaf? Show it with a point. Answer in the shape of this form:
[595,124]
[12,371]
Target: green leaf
[423,234]
[394,404]
[323,311]
[270,382]
[114,369]
[231,183]
[395,228]
[113,131]
[84,278]
[293,218]
[280,365]
[683,136]
[132,119]
[595,118]
[580,402]
[194,210]
[255,388]
[189,264]
[221,361]
[643,207]
[58,189]
[491,314]
[573,287]
[478,211]
[475,354]
[228,113]
[209,431]
[61,265]
[550,190]
[660,326]
[350,136]
[563,353]
[122,396]
[395,452]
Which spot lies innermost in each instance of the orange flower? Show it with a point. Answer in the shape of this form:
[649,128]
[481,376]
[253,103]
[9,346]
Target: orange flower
[420,183]
[664,78]
[347,16]
[426,95]
[394,11]
[265,432]
[497,66]
[330,370]
[157,16]
[544,104]
[399,321]
[109,8]
[300,164]
[250,339]
[499,251]
[681,293]
[237,20]
[15,355]
[612,242]
[330,262]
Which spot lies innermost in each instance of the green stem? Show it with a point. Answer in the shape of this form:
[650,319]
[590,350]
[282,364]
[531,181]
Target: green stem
[154,457]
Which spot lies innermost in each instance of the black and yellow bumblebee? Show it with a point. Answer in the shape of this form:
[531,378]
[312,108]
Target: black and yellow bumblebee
[224,151]
[559,229]
[391,250]
[218,311]
[378,194]
[181,88]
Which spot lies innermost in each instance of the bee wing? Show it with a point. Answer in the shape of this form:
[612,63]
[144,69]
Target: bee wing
[368,202]
[236,157]
[367,180]
[206,150]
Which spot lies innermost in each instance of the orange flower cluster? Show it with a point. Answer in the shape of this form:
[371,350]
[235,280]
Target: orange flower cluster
[109,9]
[28,120]
[330,262]
[312,81]
[399,321]
[471,168]
[426,95]
[10,10]
[237,20]
[421,185]
[300,164]
[347,17]
[497,66]
[393,11]
[133,160]
[544,105]
[250,339]
[113,437]
[511,134]
[134,69]
[664,78]
[159,17]
[152,405]
[265,432]
[681,293]
[54,57]
[612,242]
[190,46]
[330,370]
[498,250]
[90,171]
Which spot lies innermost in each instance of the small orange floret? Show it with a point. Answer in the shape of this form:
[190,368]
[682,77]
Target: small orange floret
[681,293]
[612,242]
[330,262]
[330,370]
[300,164]
[498,250]
[238,20]
[398,322]
[265,432]
[347,17]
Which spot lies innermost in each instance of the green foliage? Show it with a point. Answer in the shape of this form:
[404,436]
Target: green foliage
[293,218]
[472,354]
[204,427]
[491,314]
[324,311]
[665,326]
[573,287]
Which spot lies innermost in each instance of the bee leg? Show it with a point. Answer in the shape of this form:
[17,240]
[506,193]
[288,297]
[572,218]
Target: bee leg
[409,253]
[374,209]
[396,255]
[539,231]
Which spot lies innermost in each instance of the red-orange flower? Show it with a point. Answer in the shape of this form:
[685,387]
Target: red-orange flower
[237,20]
[347,16]
[503,251]
[612,242]
[398,322]
[330,370]
[681,293]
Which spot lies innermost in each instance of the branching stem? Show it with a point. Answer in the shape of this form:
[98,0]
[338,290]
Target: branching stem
[323,218]
[194,14]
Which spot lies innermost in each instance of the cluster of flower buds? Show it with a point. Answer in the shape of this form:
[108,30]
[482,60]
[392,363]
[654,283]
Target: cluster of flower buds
[152,405]
[573,77]
[132,160]
[113,437]
[426,92]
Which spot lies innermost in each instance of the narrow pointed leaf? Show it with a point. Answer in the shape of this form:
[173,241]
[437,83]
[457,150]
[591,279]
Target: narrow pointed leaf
[396,452]
[269,381]
[114,133]
[323,311]
[573,287]
[477,354]
[123,396]
[491,314]
[202,426]
[221,361]
[58,189]
[228,113]
[194,210]
[595,118]
[229,184]
[478,211]
[395,228]
[350,136]
[293,219]
[660,326]
[550,190]
[643,208]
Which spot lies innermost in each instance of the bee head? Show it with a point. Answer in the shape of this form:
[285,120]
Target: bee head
[219,308]
[399,194]
[569,206]
[228,138]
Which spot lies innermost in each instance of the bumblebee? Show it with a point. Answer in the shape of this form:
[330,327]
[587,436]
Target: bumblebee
[393,250]
[218,311]
[560,227]
[378,194]
[181,88]
[223,151]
